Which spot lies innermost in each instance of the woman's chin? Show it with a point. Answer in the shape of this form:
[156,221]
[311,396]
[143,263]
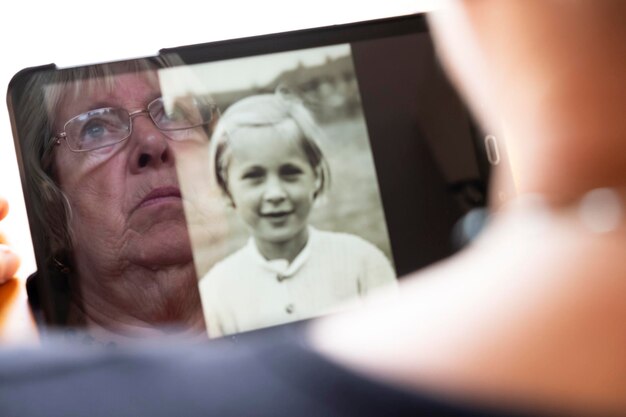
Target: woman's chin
[162,247]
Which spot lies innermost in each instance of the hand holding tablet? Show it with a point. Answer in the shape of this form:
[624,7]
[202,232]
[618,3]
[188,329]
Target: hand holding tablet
[9,261]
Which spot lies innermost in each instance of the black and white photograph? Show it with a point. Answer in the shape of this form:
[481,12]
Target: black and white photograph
[283,206]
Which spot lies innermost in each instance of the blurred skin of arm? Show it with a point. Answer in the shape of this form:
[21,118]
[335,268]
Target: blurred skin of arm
[9,261]
[549,73]
[532,314]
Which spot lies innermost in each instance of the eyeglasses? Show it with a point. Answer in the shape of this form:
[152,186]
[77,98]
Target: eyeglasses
[108,126]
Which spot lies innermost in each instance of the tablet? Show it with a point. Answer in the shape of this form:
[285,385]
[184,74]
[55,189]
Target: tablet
[225,187]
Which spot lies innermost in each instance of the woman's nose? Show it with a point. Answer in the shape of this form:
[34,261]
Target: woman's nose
[274,191]
[150,146]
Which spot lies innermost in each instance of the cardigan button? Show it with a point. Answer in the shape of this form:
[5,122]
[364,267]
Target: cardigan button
[290,308]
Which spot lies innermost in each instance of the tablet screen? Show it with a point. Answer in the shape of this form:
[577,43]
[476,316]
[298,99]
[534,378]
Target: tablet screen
[228,187]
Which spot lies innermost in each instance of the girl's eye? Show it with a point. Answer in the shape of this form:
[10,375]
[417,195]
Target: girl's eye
[290,171]
[254,174]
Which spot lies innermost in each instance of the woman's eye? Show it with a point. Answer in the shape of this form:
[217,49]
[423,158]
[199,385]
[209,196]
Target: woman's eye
[95,130]
[173,115]
[180,115]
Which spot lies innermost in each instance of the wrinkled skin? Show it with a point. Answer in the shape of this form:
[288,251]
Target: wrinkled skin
[131,251]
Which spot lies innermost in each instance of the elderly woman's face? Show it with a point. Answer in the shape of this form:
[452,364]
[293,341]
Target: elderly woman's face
[125,198]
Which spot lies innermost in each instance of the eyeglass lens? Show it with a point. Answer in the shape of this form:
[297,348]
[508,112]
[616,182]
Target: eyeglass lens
[107,126]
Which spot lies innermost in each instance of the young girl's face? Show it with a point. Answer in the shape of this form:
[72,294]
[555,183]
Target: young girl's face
[271,183]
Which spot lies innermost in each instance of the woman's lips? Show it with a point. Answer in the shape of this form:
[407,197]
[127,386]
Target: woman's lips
[159,195]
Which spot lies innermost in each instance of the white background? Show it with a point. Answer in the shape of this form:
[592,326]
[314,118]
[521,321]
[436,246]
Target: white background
[72,33]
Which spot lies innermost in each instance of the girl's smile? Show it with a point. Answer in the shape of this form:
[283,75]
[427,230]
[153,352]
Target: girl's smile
[272,185]
[277,214]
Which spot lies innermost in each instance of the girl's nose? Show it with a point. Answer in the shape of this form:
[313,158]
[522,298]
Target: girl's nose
[274,191]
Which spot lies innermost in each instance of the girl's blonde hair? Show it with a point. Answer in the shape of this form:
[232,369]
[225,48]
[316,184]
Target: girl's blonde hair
[268,110]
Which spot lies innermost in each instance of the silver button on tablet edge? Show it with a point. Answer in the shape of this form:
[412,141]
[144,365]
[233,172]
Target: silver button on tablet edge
[491,147]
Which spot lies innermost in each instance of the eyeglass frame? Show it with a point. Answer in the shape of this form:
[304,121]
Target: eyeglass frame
[57,138]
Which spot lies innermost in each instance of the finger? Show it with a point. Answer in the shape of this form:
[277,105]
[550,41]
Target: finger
[4,208]
[9,262]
